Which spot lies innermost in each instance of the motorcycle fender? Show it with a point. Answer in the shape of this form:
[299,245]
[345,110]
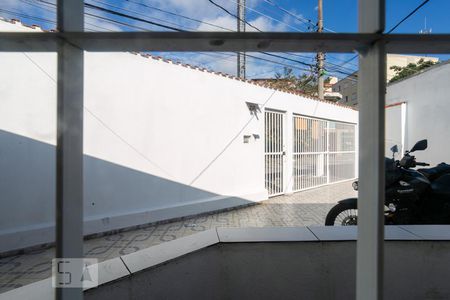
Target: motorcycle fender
[353,201]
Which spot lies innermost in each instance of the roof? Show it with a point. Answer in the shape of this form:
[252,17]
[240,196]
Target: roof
[159,58]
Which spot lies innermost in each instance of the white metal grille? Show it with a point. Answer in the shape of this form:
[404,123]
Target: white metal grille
[274,152]
[341,151]
[323,152]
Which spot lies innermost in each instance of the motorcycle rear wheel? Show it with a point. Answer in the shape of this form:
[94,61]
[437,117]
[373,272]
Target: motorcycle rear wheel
[342,214]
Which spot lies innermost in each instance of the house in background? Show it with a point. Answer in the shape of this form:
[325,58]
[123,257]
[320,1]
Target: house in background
[347,87]
[329,94]
[418,107]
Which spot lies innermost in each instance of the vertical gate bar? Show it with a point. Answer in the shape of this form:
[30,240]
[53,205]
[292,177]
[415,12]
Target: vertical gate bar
[275,116]
[270,153]
[281,165]
[302,149]
[69,148]
[328,150]
[297,150]
[270,182]
[280,155]
[277,143]
[277,150]
[371,88]
[265,150]
[294,141]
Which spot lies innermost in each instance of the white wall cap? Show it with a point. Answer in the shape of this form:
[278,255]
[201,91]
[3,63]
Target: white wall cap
[265,234]
[158,254]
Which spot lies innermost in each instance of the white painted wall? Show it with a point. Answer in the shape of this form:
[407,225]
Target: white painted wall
[395,128]
[161,141]
[427,112]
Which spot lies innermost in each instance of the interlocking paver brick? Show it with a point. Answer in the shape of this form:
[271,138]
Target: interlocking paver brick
[299,209]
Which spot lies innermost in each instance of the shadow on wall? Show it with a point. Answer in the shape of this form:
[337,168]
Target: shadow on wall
[114,196]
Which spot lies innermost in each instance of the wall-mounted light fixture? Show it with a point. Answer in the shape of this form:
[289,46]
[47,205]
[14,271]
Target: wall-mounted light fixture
[253,108]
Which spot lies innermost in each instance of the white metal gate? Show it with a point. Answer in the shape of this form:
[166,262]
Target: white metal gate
[310,148]
[323,152]
[274,152]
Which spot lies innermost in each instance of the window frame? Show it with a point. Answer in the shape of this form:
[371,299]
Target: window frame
[372,45]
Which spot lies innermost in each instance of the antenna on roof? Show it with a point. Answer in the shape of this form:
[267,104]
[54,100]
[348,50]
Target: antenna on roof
[425,30]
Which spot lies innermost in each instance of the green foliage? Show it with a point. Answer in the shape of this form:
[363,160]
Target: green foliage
[304,83]
[410,69]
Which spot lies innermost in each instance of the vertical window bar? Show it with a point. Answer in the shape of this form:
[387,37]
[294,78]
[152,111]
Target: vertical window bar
[69,149]
[371,88]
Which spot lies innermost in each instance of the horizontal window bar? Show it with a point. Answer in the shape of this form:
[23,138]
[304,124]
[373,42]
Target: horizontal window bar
[223,41]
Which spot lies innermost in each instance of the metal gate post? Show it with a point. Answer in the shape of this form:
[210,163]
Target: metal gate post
[69,149]
[289,153]
[371,91]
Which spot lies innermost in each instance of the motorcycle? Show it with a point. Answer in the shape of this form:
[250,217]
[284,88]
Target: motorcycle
[412,196]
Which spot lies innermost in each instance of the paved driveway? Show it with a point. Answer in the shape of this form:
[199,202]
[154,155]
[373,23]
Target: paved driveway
[300,209]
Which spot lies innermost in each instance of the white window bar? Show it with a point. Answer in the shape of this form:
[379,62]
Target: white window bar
[370,42]
[371,88]
[69,148]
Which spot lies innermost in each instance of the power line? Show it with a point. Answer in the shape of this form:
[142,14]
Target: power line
[175,14]
[141,14]
[217,26]
[265,15]
[113,12]
[231,14]
[18,14]
[396,25]
[177,29]
[301,19]
[228,12]
[88,5]
[409,15]
[265,53]
[210,24]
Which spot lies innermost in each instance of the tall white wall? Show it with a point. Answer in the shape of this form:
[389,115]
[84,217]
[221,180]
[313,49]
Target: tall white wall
[161,141]
[427,112]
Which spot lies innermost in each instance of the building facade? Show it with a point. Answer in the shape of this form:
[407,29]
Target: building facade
[417,108]
[161,140]
[347,87]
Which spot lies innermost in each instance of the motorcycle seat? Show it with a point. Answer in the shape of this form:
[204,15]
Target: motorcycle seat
[441,186]
[435,172]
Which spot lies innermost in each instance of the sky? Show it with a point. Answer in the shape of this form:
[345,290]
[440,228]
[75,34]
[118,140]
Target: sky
[266,15]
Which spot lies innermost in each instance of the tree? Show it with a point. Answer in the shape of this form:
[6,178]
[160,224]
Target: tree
[410,69]
[304,83]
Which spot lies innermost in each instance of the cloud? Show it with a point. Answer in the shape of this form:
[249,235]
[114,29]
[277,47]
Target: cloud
[227,22]
[230,23]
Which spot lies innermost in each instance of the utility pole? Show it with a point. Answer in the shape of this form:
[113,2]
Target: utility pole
[241,28]
[320,55]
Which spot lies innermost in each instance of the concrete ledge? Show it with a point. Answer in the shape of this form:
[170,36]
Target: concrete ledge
[161,253]
[265,234]
[350,233]
[39,290]
[127,265]
[429,232]
[111,270]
